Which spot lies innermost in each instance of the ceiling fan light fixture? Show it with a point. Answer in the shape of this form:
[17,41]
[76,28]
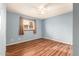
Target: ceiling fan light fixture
[42,9]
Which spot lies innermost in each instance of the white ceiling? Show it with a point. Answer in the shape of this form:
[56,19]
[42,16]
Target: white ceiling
[32,9]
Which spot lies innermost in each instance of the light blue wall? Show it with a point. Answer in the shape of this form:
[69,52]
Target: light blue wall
[13,28]
[59,27]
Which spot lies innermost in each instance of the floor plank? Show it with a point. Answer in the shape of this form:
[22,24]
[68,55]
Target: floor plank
[39,47]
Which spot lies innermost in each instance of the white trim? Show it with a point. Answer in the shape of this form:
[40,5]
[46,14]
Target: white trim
[59,40]
[34,39]
[20,42]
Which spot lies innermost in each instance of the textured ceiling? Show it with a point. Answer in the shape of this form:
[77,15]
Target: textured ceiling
[32,9]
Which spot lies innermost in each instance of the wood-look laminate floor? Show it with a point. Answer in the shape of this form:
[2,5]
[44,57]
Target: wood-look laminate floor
[39,47]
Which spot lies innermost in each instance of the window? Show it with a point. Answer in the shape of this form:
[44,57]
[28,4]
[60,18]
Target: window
[27,25]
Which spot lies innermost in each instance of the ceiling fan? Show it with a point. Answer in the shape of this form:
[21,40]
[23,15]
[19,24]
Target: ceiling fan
[43,8]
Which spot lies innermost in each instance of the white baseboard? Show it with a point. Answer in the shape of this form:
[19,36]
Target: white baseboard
[16,42]
[19,42]
[58,40]
[34,39]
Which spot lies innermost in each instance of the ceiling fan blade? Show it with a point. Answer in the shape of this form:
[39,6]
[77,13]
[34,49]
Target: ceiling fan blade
[47,5]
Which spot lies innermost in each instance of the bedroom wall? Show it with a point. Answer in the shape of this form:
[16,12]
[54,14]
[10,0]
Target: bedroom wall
[13,27]
[59,27]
